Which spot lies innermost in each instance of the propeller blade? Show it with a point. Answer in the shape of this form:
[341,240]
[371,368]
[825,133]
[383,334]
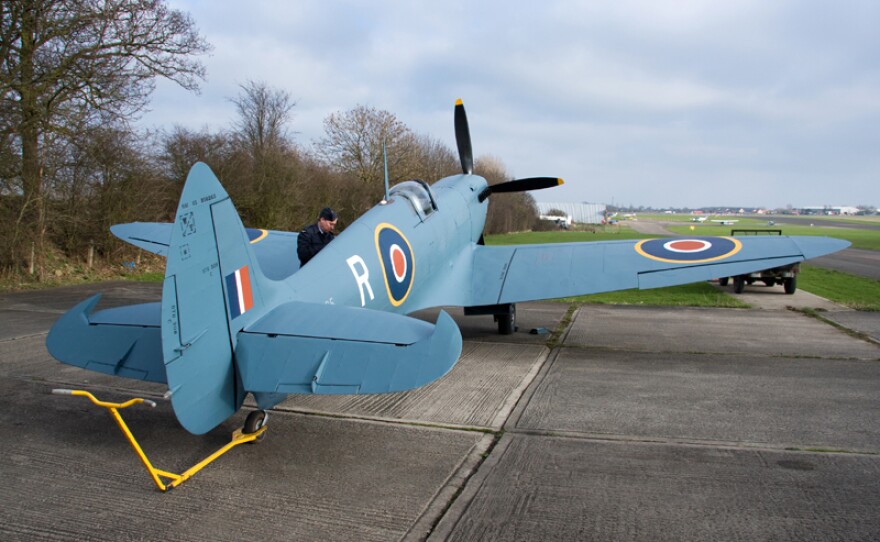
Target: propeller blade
[521,185]
[524,185]
[463,139]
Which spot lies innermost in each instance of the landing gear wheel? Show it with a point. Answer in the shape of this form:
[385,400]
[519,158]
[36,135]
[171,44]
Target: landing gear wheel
[507,322]
[739,284]
[255,420]
[790,285]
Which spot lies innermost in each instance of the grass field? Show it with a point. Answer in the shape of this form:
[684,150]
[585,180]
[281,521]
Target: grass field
[849,290]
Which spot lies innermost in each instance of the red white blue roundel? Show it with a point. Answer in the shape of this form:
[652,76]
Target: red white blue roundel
[689,250]
[398,264]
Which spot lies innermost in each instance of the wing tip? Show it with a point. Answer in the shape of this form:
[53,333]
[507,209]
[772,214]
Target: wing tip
[815,247]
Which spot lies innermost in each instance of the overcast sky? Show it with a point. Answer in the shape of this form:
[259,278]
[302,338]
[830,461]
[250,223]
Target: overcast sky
[632,102]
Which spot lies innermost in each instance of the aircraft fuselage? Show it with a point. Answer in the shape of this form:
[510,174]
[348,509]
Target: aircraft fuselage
[393,257]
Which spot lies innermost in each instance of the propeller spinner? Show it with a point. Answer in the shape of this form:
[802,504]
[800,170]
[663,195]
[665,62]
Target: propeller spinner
[466,155]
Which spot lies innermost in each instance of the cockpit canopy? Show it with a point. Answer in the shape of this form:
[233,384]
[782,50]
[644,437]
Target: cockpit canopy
[418,193]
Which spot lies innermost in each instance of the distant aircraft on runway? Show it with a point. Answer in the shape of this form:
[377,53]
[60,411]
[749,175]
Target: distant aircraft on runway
[239,316]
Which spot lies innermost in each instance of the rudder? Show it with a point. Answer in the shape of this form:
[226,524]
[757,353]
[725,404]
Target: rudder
[209,293]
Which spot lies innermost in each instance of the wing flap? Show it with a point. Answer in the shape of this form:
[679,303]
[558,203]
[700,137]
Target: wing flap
[329,349]
[685,274]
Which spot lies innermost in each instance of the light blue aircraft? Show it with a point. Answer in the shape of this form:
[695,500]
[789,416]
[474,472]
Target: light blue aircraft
[239,316]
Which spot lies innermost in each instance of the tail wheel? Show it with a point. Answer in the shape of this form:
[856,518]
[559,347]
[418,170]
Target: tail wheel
[255,421]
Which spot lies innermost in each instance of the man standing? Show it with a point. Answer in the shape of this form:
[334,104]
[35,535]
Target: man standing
[315,237]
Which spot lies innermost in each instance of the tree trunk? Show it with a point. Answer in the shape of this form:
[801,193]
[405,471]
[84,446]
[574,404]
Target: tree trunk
[32,186]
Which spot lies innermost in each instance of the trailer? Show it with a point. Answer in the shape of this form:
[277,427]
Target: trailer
[785,275]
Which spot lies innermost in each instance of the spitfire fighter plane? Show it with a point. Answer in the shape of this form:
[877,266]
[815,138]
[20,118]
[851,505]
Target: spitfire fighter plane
[238,315]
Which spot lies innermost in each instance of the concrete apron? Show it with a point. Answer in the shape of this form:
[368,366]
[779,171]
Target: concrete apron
[648,424]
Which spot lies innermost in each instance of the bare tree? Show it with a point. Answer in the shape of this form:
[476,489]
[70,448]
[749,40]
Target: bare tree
[67,64]
[263,115]
[267,162]
[435,160]
[354,141]
[181,148]
[104,177]
[507,212]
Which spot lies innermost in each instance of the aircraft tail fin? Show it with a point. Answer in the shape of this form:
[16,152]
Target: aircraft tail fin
[213,287]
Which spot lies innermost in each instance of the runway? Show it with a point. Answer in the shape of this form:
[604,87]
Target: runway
[629,423]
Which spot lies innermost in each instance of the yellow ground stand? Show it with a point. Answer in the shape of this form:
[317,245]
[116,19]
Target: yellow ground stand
[238,437]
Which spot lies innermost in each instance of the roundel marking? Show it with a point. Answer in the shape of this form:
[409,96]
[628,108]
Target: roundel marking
[687,246]
[398,262]
[689,250]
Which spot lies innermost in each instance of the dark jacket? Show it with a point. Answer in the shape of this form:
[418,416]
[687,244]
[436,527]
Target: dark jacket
[310,242]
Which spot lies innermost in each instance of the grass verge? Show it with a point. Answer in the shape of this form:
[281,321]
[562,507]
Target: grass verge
[844,289]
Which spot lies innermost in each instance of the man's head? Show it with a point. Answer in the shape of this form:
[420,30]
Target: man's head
[327,219]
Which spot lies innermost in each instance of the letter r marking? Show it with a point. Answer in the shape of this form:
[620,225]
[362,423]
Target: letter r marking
[362,278]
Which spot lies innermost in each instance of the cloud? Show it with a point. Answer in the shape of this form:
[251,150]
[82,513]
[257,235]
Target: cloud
[654,103]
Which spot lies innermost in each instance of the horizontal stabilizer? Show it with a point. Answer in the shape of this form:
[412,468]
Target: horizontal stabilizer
[151,236]
[275,250]
[123,341]
[330,349]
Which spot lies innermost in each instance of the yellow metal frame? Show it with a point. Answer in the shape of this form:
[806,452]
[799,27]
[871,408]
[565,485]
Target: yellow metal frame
[238,437]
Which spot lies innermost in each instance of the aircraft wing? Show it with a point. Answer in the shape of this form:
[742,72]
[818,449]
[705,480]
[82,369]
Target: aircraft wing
[516,273]
[275,250]
[332,349]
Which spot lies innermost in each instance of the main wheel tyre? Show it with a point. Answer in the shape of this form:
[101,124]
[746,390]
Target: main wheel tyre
[790,285]
[254,421]
[507,322]
[739,284]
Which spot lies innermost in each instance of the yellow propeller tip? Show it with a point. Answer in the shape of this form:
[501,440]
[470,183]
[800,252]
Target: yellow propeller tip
[459,102]
[560,181]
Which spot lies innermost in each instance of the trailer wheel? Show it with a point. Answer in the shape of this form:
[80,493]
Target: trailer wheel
[769,282]
[790,284]
[723,281]
[739,284]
